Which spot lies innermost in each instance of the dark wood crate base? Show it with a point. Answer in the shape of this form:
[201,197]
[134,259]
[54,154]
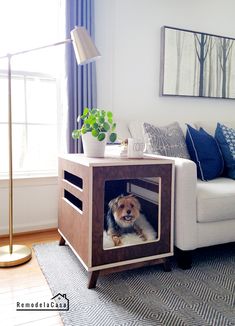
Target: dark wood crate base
[93,276]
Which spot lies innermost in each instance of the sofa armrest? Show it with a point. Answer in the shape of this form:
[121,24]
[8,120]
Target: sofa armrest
[185,224]
[185,204]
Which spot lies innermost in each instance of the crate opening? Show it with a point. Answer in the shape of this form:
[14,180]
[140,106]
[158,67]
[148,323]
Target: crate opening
[131,212]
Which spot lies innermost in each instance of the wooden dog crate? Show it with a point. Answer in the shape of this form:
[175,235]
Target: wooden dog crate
[86,186]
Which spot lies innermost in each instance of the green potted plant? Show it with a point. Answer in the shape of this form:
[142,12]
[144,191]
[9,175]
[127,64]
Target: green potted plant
[97,128]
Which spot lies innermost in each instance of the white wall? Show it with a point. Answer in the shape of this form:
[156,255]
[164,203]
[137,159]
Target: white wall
[128,37]
[35,204]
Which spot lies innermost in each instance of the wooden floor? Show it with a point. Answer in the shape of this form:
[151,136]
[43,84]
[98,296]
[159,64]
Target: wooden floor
[26,283]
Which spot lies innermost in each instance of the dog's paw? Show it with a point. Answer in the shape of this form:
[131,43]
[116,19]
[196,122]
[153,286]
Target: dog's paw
[140,233]
[117,240]
[143,237]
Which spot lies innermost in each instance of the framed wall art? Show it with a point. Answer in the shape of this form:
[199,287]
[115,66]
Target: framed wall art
[197,64]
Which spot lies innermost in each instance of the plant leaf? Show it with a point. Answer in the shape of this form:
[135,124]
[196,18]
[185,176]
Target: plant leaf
[113,127]
[101,136]
[109,115]
[86,111]
[113,137]
[106,126]
[93,111]
[95,132]
[76,134]
[101,119]
[95,125]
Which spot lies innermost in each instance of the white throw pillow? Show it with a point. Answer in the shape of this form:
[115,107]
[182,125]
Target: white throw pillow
[136,129]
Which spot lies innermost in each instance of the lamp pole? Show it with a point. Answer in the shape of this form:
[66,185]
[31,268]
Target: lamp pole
[10,158]
[85,51]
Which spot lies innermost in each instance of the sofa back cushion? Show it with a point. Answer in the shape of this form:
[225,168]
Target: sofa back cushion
[210,126]
[205,152]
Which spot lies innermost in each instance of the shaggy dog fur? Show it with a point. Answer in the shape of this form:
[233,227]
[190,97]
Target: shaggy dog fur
[125,223]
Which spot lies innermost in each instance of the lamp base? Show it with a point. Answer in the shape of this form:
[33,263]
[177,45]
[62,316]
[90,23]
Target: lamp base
[20,254]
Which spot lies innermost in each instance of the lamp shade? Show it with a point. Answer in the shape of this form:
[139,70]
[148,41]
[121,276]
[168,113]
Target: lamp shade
[84,48]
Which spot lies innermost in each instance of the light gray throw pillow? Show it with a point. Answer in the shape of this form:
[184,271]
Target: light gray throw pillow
[167,141]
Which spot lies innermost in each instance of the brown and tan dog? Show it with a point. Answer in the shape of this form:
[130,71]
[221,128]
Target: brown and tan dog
[123,213]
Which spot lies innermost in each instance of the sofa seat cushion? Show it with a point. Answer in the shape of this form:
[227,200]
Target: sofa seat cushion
[215,200]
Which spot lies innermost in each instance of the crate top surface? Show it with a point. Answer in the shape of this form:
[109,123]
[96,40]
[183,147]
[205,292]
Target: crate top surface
[114,160]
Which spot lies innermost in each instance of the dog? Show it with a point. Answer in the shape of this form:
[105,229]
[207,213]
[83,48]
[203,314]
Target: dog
[121,218]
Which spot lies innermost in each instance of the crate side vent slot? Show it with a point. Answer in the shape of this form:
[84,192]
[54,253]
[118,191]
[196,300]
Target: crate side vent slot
[74,179]
[73,200]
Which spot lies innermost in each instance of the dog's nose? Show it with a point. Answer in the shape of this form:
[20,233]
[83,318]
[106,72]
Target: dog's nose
[128,211]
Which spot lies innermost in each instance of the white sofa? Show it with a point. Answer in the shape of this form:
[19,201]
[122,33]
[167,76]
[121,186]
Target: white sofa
[204,210]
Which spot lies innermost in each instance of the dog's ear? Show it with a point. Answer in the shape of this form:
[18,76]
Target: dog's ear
[136,201]
[114,201]
[138,205]
[110,221]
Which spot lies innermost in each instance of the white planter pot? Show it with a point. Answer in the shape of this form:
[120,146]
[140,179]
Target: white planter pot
[93,147]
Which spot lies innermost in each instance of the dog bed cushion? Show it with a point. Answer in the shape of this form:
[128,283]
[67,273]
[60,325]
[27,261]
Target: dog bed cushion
[132,238]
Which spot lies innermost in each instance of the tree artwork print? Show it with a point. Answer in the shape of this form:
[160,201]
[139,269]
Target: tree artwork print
[197,64]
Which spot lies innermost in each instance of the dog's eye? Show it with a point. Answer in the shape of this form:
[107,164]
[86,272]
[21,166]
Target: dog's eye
[121,206]
[132,205]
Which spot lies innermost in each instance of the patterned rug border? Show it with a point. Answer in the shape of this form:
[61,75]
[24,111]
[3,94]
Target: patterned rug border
[203,295]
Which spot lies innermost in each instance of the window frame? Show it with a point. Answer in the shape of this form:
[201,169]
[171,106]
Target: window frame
[24,76]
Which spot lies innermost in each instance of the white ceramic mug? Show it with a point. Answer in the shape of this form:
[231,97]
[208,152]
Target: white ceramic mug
[135,148]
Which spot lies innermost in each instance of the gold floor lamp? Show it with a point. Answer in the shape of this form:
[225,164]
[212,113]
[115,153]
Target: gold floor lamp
[85,52]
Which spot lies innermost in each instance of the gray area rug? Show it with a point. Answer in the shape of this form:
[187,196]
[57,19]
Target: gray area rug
[203,295]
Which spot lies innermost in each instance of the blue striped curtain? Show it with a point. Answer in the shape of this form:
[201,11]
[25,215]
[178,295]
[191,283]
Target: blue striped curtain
[81,79]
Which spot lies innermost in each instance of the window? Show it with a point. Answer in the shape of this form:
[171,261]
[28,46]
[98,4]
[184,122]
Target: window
[27,24]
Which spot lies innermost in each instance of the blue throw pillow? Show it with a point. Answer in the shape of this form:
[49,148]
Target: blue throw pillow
[226,139]
[205,152]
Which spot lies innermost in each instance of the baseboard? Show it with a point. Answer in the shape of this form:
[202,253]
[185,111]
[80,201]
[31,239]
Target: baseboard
[29,228]
[30,232]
